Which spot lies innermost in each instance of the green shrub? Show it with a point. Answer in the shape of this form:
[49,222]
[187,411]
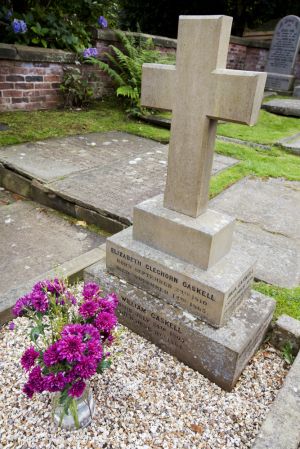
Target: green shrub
[52,23]
[125,67]
[76,88]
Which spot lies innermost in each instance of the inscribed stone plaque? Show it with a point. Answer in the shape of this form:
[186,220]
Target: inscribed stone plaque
[211,295]
[283,53]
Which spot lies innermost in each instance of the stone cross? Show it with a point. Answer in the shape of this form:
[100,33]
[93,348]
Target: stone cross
[199,90]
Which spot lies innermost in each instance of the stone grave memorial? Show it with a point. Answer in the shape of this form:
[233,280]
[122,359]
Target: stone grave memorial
[283,54]
[180,284]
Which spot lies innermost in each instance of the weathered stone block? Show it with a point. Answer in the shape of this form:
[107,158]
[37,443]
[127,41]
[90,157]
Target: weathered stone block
[286,330]
[200,241]
[219,354]
[212,295]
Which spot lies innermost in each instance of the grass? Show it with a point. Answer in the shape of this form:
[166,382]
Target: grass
[287,300]
[108,115]
[104,116]
[268,130]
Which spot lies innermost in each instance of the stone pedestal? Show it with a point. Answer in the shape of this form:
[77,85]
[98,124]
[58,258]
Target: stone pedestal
[280,83]
[200,241]
[219,354]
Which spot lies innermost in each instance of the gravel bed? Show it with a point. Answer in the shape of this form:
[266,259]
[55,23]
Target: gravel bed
[146,400]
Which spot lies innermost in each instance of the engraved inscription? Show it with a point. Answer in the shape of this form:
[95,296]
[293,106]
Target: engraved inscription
[284,46]
[150,323]
[176,288]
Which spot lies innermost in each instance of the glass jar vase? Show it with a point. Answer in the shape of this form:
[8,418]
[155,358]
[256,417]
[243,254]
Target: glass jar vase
[79,413]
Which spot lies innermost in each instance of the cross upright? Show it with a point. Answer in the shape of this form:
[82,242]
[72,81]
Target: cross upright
[199,90]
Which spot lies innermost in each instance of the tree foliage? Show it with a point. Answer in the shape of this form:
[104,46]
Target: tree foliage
[161,16]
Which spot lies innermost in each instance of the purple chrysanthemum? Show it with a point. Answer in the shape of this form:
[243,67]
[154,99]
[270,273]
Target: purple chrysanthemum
[56,286]
[86,368]
[36,381]
[28,390]
[51,355]
[102,22]
[105,321]
[19,26]
[28,358]
[91,290]
[71,348]
[55,382]
[20,306]
[90,332]
[77,389]
[89,308]
[90,52]
[11,326]
[72,329]
[94,349]
[39,301]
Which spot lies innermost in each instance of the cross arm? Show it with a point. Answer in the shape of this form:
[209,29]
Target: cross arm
[158,86]
[237,96]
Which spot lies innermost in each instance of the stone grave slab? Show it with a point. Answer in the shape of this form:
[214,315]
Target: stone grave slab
[34,240]
[220,354]
[267,227]
[115,186]
[291,144]
[56,158]
[283,107]
[283,53]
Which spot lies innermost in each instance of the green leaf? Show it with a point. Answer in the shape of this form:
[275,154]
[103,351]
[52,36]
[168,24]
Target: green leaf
[103,365]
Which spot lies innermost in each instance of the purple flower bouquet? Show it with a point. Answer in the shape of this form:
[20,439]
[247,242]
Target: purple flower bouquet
[69,336]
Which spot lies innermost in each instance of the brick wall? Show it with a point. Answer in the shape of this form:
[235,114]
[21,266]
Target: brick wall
[30,77]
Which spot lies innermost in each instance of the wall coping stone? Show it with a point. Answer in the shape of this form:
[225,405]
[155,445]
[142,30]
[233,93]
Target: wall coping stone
[35,54]
[161,41]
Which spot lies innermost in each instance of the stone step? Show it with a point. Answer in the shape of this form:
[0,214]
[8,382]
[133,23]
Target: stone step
[219,354]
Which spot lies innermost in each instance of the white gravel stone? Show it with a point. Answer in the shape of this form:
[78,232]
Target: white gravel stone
[147,400]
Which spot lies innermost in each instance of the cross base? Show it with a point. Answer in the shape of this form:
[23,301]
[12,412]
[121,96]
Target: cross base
[200,241]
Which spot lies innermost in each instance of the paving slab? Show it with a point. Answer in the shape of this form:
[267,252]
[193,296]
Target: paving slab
[268,217]
[34,240]
[291,144]
[108,172]
[289,107]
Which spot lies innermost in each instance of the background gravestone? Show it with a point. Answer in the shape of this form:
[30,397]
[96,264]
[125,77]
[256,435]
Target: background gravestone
[283,53]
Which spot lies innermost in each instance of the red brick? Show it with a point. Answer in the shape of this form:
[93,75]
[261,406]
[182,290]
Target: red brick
[6,86]
[42,85]
[4,70]
[24,86]
[19,100]
[35,99]
[53,78]
[12,93]
[5,100]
